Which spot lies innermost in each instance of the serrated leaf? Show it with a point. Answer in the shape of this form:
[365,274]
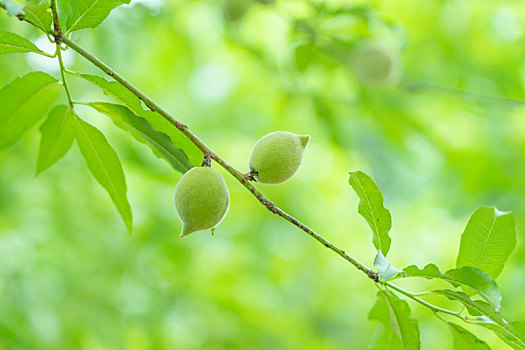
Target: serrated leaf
[394,313]
[23,103]
[39,14]
[385,339]
[488,240]
[477,280]
[155,120]
[143,132]
[372,209]
[464,339]
[488,317]
[105,165]
[80,14]
[14,43]
[58,133]
[12,8]
[385,268]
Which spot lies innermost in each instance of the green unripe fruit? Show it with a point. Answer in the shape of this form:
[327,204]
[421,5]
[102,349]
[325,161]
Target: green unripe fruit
[234,10]
[277,156]
[201,200]
[376,64]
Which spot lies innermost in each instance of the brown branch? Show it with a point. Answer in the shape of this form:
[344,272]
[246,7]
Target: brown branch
[244,179]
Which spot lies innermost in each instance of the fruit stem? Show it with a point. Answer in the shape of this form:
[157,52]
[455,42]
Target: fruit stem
[207,161]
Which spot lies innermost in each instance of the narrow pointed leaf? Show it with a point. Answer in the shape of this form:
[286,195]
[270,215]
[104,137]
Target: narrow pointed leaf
[394,313]
[142,131]
[104,164]
[158,123]
[372,209]
[80,14]
[23,103]
[40,14]
[488,240]
[479,281]
[465,340]
[385,268]
[385,339]
[512,333]
[13,43]
[58,133]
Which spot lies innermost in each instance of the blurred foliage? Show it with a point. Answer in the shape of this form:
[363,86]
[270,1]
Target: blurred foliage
[447,139]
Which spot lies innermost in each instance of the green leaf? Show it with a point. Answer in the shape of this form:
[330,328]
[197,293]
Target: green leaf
[512,333]
[463,339]
[40,14]
[12,8]
[58,133]
[516,337]
[488,240]
[385,339]
[394,313]
[140,129]
[477,280]
[158,123]
[372,209]
[80,14]
[304,54]
[386,270]
[23,103]
[104,164]
[12,43]
[474,307]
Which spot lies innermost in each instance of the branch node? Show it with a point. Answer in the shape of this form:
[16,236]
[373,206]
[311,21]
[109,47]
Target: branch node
[207,161]
[111,73]
[249,176]
[181,126]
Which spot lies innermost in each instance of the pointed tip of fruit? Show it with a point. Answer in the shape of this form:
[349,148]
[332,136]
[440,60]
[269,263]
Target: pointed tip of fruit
[185,231]
[304,139]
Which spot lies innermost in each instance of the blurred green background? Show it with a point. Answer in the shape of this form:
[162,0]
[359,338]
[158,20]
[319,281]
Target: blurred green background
[71,276]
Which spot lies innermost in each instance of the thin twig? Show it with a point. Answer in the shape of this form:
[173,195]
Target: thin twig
[423,302]
[416,84]
[209,152]
[244,179]
[58,41]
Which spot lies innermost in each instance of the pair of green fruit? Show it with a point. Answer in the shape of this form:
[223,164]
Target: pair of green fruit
[201,196]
